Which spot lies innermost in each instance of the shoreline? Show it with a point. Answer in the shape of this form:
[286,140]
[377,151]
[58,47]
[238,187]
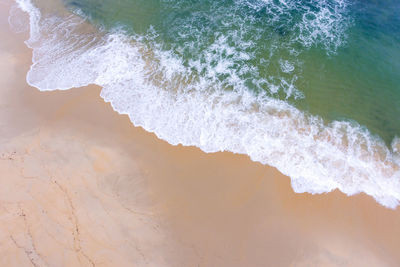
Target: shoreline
[110,193]
[142,81]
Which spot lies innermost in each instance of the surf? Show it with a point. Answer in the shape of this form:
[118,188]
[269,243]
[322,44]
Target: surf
[209,102]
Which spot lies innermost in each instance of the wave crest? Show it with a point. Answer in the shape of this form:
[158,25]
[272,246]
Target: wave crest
[161,94]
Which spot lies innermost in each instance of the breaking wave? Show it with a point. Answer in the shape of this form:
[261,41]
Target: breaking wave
[188,103]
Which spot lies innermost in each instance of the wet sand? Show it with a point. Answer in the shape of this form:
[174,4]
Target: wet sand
[81,186]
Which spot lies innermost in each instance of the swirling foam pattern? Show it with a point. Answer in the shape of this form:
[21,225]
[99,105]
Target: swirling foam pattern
[222,76]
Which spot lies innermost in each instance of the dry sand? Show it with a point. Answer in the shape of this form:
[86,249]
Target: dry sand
[81,186]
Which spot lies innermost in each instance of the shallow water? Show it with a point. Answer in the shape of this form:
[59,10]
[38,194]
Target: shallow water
[336,59]
[310,87]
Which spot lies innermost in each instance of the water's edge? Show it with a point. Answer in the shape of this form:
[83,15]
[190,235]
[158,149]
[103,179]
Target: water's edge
[317,157]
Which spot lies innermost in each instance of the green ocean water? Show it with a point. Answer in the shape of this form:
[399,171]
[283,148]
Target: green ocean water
[309,87]
[336,59]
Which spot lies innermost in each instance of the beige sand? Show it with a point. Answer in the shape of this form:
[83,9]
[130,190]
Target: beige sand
[80,186]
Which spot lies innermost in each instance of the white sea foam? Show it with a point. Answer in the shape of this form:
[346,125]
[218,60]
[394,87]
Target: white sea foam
[160,94]
[18,20]
[286,66]
[323,24]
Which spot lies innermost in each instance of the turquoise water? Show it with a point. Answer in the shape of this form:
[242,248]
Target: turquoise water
[345,55]
[309,87]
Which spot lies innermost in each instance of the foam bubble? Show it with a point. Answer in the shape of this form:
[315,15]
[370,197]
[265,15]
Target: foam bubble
[286,66]
[18,20]
[163,95]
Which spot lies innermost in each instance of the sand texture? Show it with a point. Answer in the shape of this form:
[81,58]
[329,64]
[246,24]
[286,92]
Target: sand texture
[81,186]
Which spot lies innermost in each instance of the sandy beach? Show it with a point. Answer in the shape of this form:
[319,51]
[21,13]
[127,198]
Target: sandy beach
[81,186]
